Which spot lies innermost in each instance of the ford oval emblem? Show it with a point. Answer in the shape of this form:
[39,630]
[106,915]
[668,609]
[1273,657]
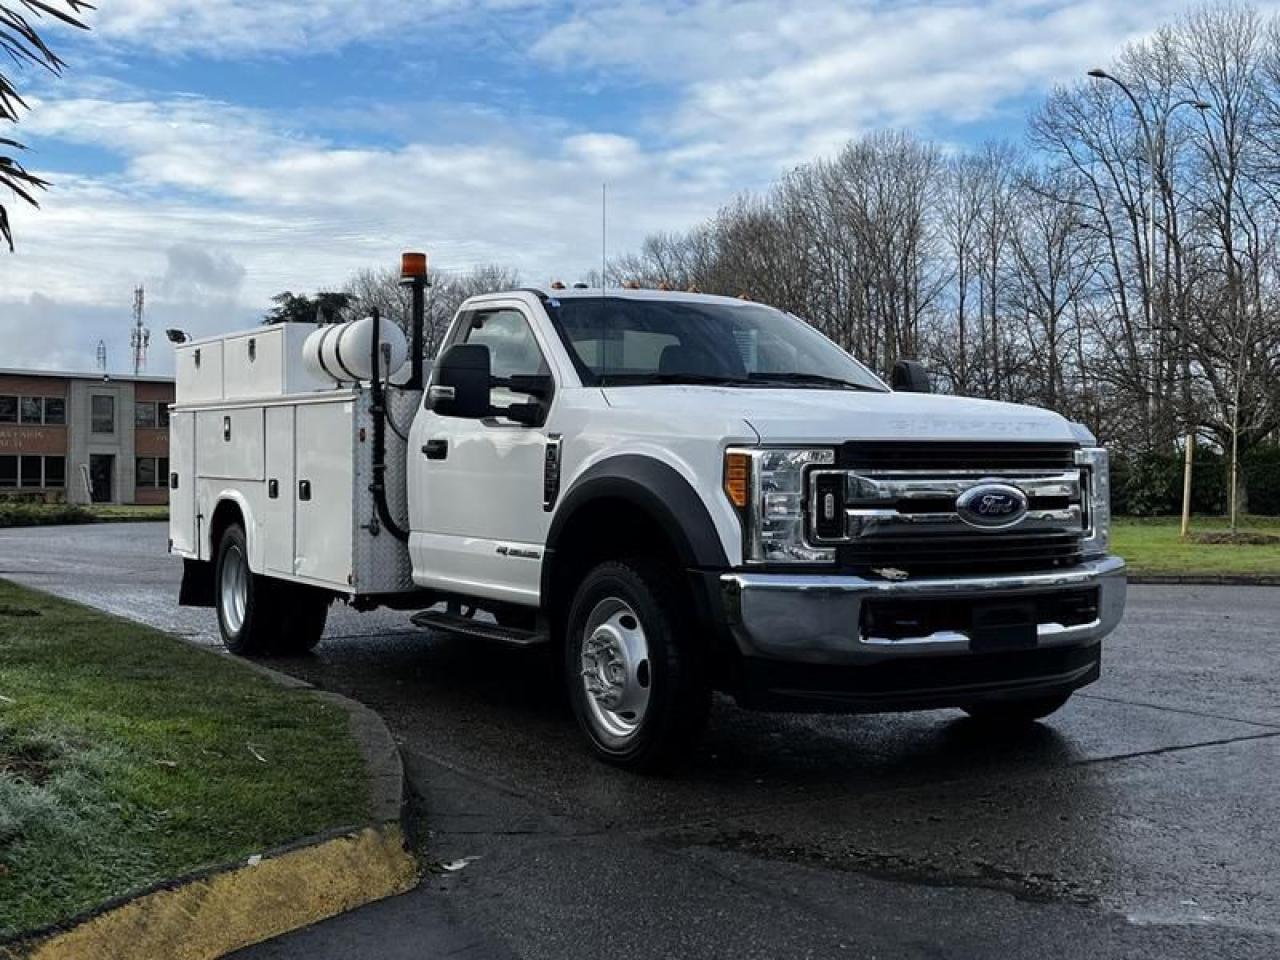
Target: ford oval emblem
[992,505]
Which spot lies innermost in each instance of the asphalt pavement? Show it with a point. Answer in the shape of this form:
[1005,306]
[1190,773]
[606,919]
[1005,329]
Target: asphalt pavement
[1140,821]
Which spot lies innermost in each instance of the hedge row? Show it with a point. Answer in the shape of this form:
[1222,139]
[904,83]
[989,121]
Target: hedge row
[1150,484]
[34,515]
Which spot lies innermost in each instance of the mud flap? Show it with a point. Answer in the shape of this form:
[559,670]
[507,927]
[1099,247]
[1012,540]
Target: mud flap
[197,584]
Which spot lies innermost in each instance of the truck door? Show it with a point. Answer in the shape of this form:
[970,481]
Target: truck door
[478,520]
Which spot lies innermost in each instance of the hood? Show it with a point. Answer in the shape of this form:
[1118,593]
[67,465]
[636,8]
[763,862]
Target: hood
[834,416]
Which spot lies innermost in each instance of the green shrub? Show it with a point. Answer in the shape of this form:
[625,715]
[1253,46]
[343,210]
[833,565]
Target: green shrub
[1262,480]
[1150,484]
[33,515]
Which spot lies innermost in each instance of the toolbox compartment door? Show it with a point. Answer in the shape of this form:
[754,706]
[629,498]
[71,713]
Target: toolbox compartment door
[324,488]
[230,444]
[281,501]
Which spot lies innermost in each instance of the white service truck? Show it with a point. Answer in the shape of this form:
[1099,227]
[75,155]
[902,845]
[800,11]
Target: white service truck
[677,493]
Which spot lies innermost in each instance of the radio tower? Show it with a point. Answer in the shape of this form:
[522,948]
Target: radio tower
[140,336]
[102,357]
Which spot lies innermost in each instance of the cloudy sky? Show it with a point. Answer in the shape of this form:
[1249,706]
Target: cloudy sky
[223,150]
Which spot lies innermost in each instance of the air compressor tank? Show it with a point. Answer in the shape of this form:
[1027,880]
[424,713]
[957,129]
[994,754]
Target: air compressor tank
[341,351]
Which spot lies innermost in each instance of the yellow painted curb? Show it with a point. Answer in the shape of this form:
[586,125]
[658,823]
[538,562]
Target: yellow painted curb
[212,915]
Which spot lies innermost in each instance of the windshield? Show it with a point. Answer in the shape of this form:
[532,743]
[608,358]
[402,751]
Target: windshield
[617,341]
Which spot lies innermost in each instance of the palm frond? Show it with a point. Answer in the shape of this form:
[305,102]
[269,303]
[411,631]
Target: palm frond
[22,44]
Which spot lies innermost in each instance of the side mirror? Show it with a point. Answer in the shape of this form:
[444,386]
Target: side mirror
[910,376]
[460,383]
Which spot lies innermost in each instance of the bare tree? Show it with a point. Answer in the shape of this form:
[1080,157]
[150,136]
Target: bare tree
[381,289]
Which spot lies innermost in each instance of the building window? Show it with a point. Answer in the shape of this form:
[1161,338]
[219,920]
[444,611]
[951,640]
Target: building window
[31,472]
[55,471]
[8,409]
[146,472]
[32,410]
[102,414]
[152,472]
[149,414]
[37,410]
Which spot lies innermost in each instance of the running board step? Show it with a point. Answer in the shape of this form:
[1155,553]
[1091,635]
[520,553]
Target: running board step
[479,629]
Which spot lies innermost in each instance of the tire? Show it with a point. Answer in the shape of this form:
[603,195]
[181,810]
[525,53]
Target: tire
[261,616]
[636,672]
[301,613]
[1017,711]
[245,613]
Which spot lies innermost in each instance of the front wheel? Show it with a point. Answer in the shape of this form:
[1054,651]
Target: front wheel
[637,674]
[1017,711]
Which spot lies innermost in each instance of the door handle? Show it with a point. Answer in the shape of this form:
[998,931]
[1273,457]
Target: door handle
[304,489]
[436,449]
[273,489]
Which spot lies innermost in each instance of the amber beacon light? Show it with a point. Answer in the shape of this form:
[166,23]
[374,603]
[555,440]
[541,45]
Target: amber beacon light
[413,265]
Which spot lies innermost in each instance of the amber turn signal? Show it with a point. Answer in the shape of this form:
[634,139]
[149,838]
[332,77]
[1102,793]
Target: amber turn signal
[737,473]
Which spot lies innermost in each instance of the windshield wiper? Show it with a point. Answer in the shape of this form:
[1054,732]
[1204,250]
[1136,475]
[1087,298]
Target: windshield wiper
[645,379]
[812,379]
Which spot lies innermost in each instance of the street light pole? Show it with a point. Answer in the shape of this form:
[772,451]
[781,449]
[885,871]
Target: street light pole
[1150,217]
[1155,150]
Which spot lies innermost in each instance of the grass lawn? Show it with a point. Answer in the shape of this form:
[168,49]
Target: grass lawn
[41,514]
[1153,546]
[114,513]
[127,757]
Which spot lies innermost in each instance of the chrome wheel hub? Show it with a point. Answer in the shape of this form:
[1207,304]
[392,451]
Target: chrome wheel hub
[233,589]
[615,669]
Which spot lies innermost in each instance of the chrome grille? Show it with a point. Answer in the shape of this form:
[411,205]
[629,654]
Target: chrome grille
[991,458]
[900,507]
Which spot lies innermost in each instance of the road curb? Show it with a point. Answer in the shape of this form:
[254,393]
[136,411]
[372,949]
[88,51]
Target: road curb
[215,911]
[1224,580]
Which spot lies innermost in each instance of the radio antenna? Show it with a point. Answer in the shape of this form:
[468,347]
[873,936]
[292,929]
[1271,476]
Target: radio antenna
[139,336]
[604,235]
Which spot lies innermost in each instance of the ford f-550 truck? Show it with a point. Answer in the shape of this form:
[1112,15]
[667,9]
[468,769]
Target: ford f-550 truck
[677,493]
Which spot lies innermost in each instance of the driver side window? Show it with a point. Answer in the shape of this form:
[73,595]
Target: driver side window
[513,351]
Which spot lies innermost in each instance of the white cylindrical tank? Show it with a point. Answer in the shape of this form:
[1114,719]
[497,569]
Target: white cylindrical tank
[340,351]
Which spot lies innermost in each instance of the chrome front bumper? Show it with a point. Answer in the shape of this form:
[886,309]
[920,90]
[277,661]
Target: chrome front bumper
[818,619]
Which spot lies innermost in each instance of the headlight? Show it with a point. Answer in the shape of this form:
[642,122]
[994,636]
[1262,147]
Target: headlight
[771,502]
[1095,467]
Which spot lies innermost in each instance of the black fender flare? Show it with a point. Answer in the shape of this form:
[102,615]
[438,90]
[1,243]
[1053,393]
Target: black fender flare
[659,490]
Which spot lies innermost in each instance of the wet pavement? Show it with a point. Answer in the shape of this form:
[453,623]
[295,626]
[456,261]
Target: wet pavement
[1140,821]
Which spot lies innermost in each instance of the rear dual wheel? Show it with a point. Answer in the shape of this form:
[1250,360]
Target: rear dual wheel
[637,673]
[263,616]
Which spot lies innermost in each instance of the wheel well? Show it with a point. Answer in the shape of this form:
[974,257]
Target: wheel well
[224,515]
[604,529]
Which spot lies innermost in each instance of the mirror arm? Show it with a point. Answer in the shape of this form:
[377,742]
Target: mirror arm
[525,414]
[533,385]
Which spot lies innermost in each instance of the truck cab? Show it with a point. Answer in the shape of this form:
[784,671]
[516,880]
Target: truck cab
[674,493]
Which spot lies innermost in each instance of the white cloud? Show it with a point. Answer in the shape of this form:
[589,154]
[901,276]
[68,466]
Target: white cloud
[769,83]
[236,27]
[218,207]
